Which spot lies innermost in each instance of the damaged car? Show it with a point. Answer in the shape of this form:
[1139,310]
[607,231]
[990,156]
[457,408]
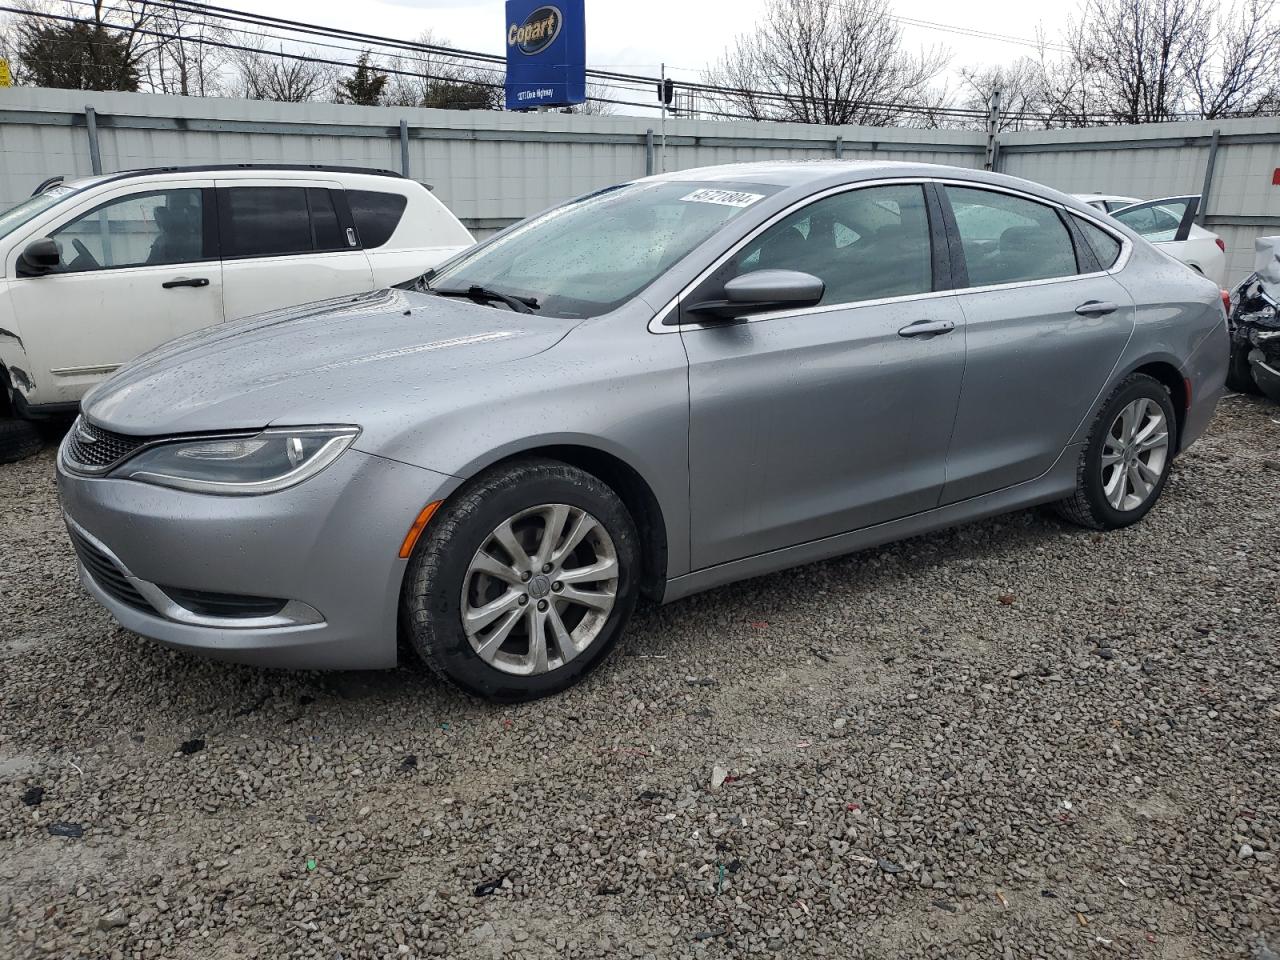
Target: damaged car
[1255,325]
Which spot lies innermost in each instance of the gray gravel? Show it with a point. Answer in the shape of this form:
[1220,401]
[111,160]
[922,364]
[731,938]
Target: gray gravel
[1016,739]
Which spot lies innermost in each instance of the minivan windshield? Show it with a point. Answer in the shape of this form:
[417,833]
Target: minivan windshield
[31,208]
[591,255]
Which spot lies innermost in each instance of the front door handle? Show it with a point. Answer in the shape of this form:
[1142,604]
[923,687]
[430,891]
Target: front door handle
[1097,308]
[927,328]
[185,282]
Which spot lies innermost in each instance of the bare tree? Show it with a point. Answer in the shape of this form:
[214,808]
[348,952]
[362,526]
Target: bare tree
[430,78]
[827,61]
[187,59]
[1135,54]
[596,104]
[1231,65]
[289,77]
[1022,93]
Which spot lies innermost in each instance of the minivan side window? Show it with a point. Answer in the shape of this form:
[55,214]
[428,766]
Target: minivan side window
[1009,239]
[143,229]
[864,244]
[1105,247]
[279,221]
[376,214]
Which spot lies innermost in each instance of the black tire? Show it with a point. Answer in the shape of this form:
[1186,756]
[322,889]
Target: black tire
[431,598]
[1239,371]
[19,439]
[1088,506]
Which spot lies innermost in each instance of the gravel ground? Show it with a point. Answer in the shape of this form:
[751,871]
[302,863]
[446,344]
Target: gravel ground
[1015,739]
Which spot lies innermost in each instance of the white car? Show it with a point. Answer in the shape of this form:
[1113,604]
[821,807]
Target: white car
[1170,224]
[1106,202]
[94,272]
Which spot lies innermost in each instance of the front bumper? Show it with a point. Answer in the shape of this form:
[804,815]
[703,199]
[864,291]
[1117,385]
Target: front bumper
[328,548]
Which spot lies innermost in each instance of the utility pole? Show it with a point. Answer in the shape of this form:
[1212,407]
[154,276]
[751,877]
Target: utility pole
[993,131]
[664,94]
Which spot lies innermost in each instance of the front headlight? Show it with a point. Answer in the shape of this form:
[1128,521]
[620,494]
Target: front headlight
[262,463]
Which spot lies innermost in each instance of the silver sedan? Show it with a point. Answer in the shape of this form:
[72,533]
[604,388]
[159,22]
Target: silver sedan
[653,389]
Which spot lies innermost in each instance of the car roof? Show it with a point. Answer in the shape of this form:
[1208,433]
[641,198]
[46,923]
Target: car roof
[789,173]
[227,170]
[804,176]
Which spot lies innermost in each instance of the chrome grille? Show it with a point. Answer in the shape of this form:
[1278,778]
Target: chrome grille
[95,450]
[106,574]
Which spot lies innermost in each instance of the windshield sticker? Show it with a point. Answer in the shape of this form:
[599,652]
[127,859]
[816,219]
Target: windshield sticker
[727,198]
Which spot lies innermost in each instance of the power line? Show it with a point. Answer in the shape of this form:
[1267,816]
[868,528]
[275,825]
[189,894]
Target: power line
[614,79]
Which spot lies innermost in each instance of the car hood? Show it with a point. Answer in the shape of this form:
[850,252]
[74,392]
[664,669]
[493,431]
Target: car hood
[336,361]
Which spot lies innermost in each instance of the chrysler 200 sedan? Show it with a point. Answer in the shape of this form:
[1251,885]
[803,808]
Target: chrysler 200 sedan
[653,389]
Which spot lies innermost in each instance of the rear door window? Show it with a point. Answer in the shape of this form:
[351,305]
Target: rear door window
[279,221]
[376,214]
[1010,239]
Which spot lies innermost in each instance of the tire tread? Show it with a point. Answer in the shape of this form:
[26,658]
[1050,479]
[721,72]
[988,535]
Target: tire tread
[1077,508]
[432,552]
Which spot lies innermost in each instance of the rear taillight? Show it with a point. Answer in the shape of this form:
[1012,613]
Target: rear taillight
[1226,302]
[1222,244]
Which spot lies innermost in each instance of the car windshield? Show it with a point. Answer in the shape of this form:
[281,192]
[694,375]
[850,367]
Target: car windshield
[32,207]
[591,255]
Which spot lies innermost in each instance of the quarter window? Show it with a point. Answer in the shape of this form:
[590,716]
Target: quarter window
[144,229]
[278,221]
[1008,239]
[1105,247]
[864,244]
[376,215]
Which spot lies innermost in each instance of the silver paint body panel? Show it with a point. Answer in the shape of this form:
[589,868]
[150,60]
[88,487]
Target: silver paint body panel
[792,437]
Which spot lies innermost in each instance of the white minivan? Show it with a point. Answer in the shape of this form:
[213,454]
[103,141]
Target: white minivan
[94,272]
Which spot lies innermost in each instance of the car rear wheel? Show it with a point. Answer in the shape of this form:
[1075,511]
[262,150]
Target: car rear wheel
[1126,460]
[19,439]
[523,581]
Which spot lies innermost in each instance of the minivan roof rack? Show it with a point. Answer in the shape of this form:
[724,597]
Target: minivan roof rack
[214,167]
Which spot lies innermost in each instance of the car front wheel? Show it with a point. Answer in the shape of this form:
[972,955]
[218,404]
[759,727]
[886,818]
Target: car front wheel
[523,581]
[1126,460]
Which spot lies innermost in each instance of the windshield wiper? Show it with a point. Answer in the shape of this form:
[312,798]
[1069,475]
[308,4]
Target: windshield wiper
[485,295]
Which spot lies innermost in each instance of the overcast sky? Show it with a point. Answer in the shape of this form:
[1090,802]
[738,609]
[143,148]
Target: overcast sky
[686,34]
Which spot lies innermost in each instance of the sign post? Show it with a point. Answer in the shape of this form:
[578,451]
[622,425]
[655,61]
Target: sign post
[546,54]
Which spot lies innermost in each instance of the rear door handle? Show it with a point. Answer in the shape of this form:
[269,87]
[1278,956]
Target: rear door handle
[185,282]
[927,328]
[1097,308]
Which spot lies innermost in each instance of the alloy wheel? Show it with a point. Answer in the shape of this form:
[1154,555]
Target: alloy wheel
[540,589]
[1135,453]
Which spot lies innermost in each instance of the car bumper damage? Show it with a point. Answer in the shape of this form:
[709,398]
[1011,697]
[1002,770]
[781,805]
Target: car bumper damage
[1255,318]
[308,577]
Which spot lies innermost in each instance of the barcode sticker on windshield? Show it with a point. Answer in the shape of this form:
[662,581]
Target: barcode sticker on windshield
[728,198]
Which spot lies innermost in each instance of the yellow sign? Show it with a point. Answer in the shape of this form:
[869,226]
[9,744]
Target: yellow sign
[6,78]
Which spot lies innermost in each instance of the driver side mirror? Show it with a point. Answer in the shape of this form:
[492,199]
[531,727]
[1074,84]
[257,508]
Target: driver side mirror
[761,291]
[40,256]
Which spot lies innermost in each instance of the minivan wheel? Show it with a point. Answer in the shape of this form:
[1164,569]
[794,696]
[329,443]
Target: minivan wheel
[523,581]
[19,439]
[1126,460]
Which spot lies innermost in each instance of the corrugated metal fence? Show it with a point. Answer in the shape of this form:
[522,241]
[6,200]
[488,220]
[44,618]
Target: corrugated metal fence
[493,168]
